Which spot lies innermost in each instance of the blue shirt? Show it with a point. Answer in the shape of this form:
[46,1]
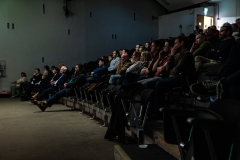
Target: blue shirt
[113,64]
[98,72]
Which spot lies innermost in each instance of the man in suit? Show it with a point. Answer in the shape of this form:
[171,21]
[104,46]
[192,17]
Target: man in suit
[55,85]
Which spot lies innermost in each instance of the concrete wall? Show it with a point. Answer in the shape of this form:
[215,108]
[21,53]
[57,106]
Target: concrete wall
[228,12]
[169,24]
[36,35]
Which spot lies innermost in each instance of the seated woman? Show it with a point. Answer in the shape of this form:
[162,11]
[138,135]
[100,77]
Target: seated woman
[55,77]
[17,84]
[30,88]
[159,66]
[131,77]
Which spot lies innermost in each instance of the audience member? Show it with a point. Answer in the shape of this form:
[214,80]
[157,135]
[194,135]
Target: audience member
[201,46]
[148,46]
[34,87]
[122,66]
[219,53]
[180,61]
[147,71]
[54,78]
[113,64]
[106,61]
[131,77]
[197,30]
[98,72]
[235,33]
[17,84]
[238,23]
[110,58]
[55,85]
[159,66]
[77,79]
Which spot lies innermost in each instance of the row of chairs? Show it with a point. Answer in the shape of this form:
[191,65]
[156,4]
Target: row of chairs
[133,101]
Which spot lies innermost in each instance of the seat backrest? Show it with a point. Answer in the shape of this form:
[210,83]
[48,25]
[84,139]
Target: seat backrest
[205,113]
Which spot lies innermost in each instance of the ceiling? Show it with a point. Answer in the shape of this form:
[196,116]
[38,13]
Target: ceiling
[172,5]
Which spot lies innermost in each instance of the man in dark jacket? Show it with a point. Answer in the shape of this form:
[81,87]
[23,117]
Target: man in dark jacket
[180,61]
[220,52]
[54,84]
[77,79]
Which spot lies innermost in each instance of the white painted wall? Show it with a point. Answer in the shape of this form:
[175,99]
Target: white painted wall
[38,35]
[228,12]
[169,24]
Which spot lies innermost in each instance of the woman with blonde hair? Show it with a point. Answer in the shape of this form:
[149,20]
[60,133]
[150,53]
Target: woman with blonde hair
[131,77]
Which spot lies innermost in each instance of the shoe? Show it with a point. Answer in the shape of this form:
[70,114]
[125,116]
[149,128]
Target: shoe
[42,105]
[205,88]
[36,102]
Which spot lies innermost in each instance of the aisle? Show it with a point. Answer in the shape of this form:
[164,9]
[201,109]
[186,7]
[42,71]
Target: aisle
[58,133]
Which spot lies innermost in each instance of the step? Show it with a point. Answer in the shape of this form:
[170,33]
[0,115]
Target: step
[133,151]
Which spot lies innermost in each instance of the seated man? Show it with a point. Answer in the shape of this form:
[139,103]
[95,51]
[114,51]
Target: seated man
[201,46]
[98,72]
[54,84]
[113,64]
[122,66]
[55,77]
[220,53]
[160,65]
[180,60]
[146,71]
[33,81]
[77,79]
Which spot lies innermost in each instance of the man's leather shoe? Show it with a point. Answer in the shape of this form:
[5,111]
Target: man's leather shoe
[36,102]
[42,106]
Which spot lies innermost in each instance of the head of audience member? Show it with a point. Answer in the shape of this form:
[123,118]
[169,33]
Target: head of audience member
[238,22]
[213,28]
[234,27]
[155,47]
[63,69]
[60,65]
[45,73]
[46,68]
[52,67]
[197,27]
[101,62]
[141,49]
[207,32]
[105,59]
[148,46]
[36,71]
[79,68]
[125,51]
[115,54]
[181,43]
[146,56]
[225,31]
[124,57]
[200,38]
[120,52]
[136,56]
[110,57]
[23,74]
[168,46]
[137,47]
[55,70]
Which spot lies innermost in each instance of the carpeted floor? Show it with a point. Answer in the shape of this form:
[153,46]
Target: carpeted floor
[58,133]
